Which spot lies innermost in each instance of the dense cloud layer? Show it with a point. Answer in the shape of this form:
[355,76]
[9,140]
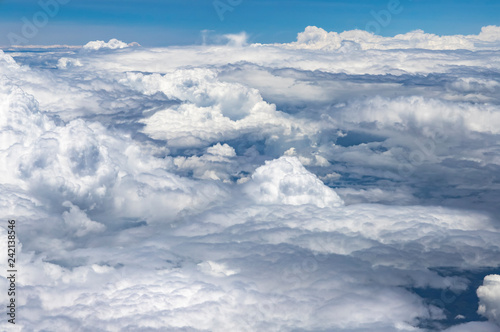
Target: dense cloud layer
[343,182]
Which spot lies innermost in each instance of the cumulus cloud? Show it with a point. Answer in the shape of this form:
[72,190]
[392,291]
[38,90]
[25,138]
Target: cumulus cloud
[319,39]
[112,44]
[489,298]
[78,221]
[221,150]
[211,110]
[286,181]
[64,63]
[345,182]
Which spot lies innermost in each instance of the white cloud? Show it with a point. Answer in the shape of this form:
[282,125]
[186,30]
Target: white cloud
[78,221]
[221,150]
[64,63]
[112,44]
[212,110]
[444,116]
[317,38]
[237,40]
[474,326]
[286,181]
[489,298]
[334,183]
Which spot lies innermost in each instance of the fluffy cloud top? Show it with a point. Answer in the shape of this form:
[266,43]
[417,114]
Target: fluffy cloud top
[286,181]
[112,44]
[318,39]
[489,298]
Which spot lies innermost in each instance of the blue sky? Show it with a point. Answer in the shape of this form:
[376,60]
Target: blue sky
[178,22]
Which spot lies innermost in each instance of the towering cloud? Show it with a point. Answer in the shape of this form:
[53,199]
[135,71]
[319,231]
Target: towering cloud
[489,298]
